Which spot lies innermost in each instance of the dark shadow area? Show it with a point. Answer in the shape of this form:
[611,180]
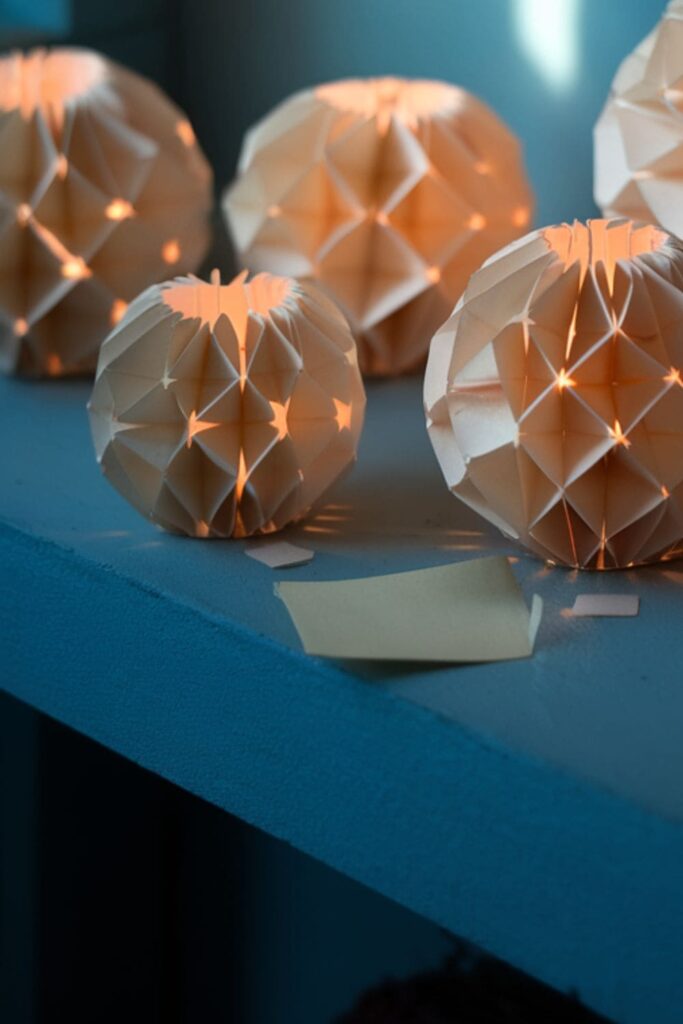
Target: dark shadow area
[126,898]
[467,990]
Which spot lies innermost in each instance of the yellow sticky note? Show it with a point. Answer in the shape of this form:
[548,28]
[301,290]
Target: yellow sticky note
[467,611]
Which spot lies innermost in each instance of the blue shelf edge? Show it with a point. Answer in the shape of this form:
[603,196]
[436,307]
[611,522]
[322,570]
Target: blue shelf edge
[577,887]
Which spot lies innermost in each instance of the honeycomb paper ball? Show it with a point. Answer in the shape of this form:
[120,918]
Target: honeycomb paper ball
[389,194]
[554,393]
[103,189]
[639,135]
[224,411]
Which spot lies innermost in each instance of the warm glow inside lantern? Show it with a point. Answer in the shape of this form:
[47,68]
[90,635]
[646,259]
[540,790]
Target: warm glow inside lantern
[554,393]
[102,190]
[227,410]
[639,135]
[386,192]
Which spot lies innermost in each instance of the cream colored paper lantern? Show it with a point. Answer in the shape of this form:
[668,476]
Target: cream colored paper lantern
[554,394]
[224,411]
[639,135]
[103,190]
[389,194]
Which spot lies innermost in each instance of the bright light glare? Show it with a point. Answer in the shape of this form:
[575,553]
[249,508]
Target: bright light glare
[548,31]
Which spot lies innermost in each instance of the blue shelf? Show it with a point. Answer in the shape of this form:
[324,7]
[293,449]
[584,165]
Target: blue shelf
[534,808]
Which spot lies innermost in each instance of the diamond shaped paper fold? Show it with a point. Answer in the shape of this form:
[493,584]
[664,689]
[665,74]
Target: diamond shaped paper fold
[227,410]
[554,393]
[387,193]
[102,190]
[639,135]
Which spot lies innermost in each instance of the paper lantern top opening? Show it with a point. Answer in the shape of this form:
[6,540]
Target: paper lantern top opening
[602,241]
[408,100]
[554,394]
[237,300]
[42,80]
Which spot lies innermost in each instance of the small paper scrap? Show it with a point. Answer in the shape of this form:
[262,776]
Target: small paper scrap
[467,611]
[621,605]
[278,554]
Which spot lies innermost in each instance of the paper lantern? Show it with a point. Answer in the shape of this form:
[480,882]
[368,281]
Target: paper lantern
[224,411]
[389,194]
[103,190]
[554,393]
[639,135]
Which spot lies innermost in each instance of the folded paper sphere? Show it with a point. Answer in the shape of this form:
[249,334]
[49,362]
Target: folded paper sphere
[224,411]
[103,190]
[389,194]
[554,394]
[639,135]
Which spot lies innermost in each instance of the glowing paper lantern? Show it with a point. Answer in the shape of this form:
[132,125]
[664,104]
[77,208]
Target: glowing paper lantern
[639,135]
[225,411]
[389,194]
[554,393]
[103,189]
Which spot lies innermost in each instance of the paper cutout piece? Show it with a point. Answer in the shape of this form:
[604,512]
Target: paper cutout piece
[103,190]
[639,134]
[224,411]
[278,554]
[388,193]
[618,605]
[468,611]
[554,394]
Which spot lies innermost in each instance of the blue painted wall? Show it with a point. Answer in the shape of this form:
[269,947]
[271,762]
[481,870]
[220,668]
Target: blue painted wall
[42,15]
[545,65]
[124,898]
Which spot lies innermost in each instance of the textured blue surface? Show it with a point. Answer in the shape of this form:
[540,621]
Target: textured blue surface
[533,807]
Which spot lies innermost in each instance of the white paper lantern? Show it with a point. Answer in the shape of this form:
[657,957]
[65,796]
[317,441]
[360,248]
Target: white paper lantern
[639,135]
[227,410]
[388,193]
[103,190]
[554,394]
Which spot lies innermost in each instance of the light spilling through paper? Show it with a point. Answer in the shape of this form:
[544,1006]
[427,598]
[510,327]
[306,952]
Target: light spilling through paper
[227,410]
[389,193]
[639,135]
[468,611]
[103,189]
[554,394]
